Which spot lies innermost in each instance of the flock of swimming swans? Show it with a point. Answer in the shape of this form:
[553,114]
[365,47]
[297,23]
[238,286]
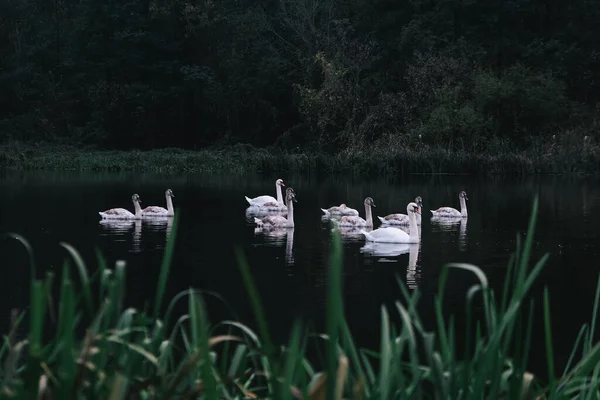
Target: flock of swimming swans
[398,232]
[272,213]
[119,213]
[274,217]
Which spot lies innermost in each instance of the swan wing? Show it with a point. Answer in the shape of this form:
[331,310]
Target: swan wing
[446,212]
[351,220]
[116,213]
[349,211]
[260,200]
[154,211]
[387,235]
[395,219]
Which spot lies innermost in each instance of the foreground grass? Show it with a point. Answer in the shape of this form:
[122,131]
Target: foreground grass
[241,159]
[153,354]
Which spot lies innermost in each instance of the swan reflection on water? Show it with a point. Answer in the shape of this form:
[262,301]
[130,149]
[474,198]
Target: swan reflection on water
[444,224]
[376,249]
[119,229]
[159,224]
[386,252]
[277,237]
[413,275]
[116,227]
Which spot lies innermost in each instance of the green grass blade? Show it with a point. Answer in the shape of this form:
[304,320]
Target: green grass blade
[335,311]
[594,313]
[548,339]
[165,267]
[36,321]
[85,281]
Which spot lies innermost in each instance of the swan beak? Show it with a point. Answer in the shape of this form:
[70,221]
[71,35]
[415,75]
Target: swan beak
[418,210]
[373,205]
[282,184]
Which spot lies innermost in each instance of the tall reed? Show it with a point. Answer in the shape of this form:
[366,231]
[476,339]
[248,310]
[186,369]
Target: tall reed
[129,353]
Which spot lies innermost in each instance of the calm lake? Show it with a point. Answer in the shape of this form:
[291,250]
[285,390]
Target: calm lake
[291,272]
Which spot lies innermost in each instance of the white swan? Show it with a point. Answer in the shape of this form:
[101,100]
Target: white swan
[121,213]
[273,206]
[356,221]
[395,235]
[157,211]
[278,221]
[453,212]
[342,209]
[401,219]
[260,200]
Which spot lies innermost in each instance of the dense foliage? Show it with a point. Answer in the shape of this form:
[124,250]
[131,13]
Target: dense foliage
[309,74]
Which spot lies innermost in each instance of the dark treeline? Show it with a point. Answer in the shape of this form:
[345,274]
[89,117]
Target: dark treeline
[308,74]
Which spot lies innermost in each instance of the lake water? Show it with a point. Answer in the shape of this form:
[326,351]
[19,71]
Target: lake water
[291,272]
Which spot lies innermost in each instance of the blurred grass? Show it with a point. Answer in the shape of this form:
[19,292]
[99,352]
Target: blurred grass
[129,353]
[378,159]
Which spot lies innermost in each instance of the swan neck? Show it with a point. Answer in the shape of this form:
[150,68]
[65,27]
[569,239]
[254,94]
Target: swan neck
[170,204]
[368,215]
[413,229]
[279,195]
[290,216]
[463,207]
[137,208]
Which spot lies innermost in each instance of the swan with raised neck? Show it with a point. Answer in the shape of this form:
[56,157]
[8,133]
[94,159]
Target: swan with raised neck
[356,221]
[395,235]
[122,213]
[278,221]
[453,212]
[402,219]
[260,200]
[157,211]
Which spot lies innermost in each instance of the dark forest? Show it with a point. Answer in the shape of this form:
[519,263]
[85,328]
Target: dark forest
[301,75]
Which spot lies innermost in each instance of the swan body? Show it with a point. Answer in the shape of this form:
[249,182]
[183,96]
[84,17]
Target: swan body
[273,206]
[355,220]
[260,200]
[279,221]
[401,219]
[449,212]
[342,209]
[122,213]
[394,235]
[157,211]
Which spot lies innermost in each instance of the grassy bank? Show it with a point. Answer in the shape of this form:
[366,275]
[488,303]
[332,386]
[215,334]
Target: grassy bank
[566,158]
[155,354]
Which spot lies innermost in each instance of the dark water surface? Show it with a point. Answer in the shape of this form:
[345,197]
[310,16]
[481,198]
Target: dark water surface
[291,272]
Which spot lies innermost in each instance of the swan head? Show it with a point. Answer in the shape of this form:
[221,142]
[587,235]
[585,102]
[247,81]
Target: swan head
[169,193]
[136,198]
[369,202]
[419,201]
[463,195]
[290,195]
[413,208]
[279,182]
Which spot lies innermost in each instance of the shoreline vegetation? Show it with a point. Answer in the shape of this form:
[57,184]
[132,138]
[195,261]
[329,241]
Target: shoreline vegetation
[152,353]
[569,158]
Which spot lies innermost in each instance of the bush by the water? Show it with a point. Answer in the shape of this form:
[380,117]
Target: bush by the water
[472,78]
